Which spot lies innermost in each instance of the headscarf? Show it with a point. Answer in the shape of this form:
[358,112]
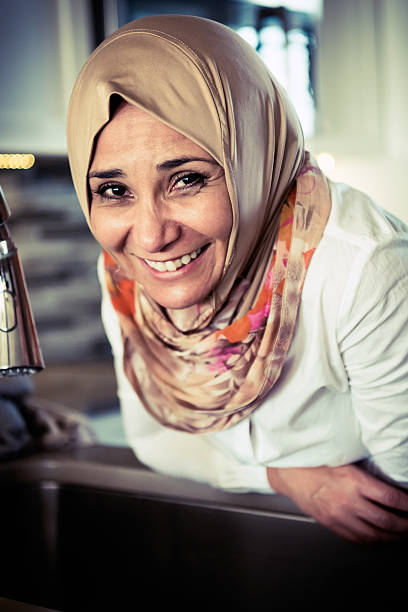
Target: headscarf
[206,367]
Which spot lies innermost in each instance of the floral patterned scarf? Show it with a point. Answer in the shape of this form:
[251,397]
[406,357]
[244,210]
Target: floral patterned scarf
[213,378]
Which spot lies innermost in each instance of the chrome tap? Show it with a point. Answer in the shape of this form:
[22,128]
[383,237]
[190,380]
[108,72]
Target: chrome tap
[20,351]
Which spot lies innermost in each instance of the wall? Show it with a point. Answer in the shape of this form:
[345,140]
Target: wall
[363,88]
[43,46]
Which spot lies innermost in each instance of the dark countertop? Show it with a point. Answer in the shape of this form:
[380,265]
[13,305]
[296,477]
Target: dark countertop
[89,524]
[11,605]
[117,469]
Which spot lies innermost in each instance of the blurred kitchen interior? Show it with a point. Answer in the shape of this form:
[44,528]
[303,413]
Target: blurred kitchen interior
[343,62]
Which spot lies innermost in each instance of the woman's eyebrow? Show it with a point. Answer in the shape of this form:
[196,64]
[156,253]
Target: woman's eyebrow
[106,174]
[167,165]
[179,161]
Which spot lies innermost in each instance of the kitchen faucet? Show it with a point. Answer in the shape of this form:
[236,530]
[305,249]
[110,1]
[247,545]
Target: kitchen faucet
[20,352]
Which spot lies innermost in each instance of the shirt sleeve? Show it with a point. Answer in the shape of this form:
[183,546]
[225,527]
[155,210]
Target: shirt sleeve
[374,347]
[165,450]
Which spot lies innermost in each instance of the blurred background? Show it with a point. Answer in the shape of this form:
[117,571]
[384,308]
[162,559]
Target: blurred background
[342,62]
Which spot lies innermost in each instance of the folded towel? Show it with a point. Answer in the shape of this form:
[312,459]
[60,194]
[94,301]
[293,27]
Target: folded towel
[29,423]
[54,426]
[14,434]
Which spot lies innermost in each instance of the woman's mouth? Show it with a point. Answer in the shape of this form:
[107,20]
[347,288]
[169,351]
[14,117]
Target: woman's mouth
[174,264]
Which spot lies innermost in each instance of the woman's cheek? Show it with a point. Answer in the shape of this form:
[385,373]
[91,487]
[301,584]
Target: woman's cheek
[104,229]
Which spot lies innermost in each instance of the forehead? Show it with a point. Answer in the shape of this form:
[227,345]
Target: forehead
[132,130]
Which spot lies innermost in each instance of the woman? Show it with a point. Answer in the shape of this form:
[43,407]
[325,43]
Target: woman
[255,310]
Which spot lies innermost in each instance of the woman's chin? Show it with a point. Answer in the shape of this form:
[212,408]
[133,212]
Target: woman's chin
[176,302]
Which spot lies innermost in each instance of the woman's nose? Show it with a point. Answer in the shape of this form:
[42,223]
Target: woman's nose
[152,230]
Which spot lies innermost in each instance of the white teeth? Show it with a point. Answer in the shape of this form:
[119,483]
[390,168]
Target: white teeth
[172,264]
[157,265]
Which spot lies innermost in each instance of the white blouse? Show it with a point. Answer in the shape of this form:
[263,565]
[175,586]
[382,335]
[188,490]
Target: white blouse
[343,392]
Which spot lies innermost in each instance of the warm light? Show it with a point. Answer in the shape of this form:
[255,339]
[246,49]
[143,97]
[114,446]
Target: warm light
[326,162]
[16,161]
[249,34]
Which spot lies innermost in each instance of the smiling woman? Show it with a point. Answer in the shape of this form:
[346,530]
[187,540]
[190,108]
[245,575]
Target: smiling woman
[256,311]
[167,218]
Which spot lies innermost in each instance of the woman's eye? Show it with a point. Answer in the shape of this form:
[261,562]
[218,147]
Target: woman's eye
[189,180]
[112,191]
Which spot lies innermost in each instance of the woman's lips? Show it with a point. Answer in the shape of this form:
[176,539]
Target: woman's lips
[173,264]
[175,267]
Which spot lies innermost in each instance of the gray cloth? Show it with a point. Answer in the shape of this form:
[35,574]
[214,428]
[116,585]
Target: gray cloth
[28,423]
[14,434]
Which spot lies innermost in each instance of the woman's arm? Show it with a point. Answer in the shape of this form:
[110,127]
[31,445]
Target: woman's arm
[373,340]
[346,499]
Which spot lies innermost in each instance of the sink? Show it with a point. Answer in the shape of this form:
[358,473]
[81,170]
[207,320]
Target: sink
[93,529]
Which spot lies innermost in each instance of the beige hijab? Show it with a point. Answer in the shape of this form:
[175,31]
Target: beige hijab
[206,367]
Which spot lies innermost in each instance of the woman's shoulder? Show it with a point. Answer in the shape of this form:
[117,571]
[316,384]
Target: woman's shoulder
[362,256]
[360,239]
[357,220]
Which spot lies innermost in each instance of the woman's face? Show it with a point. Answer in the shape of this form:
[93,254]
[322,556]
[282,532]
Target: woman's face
[160,206]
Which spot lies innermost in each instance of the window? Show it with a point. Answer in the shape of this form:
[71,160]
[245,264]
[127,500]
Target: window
[284,36]
[282,32]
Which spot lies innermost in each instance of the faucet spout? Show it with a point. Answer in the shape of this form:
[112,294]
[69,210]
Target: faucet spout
[20,352]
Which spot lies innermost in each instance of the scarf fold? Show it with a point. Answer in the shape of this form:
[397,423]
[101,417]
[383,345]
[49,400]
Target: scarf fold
[208,366]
